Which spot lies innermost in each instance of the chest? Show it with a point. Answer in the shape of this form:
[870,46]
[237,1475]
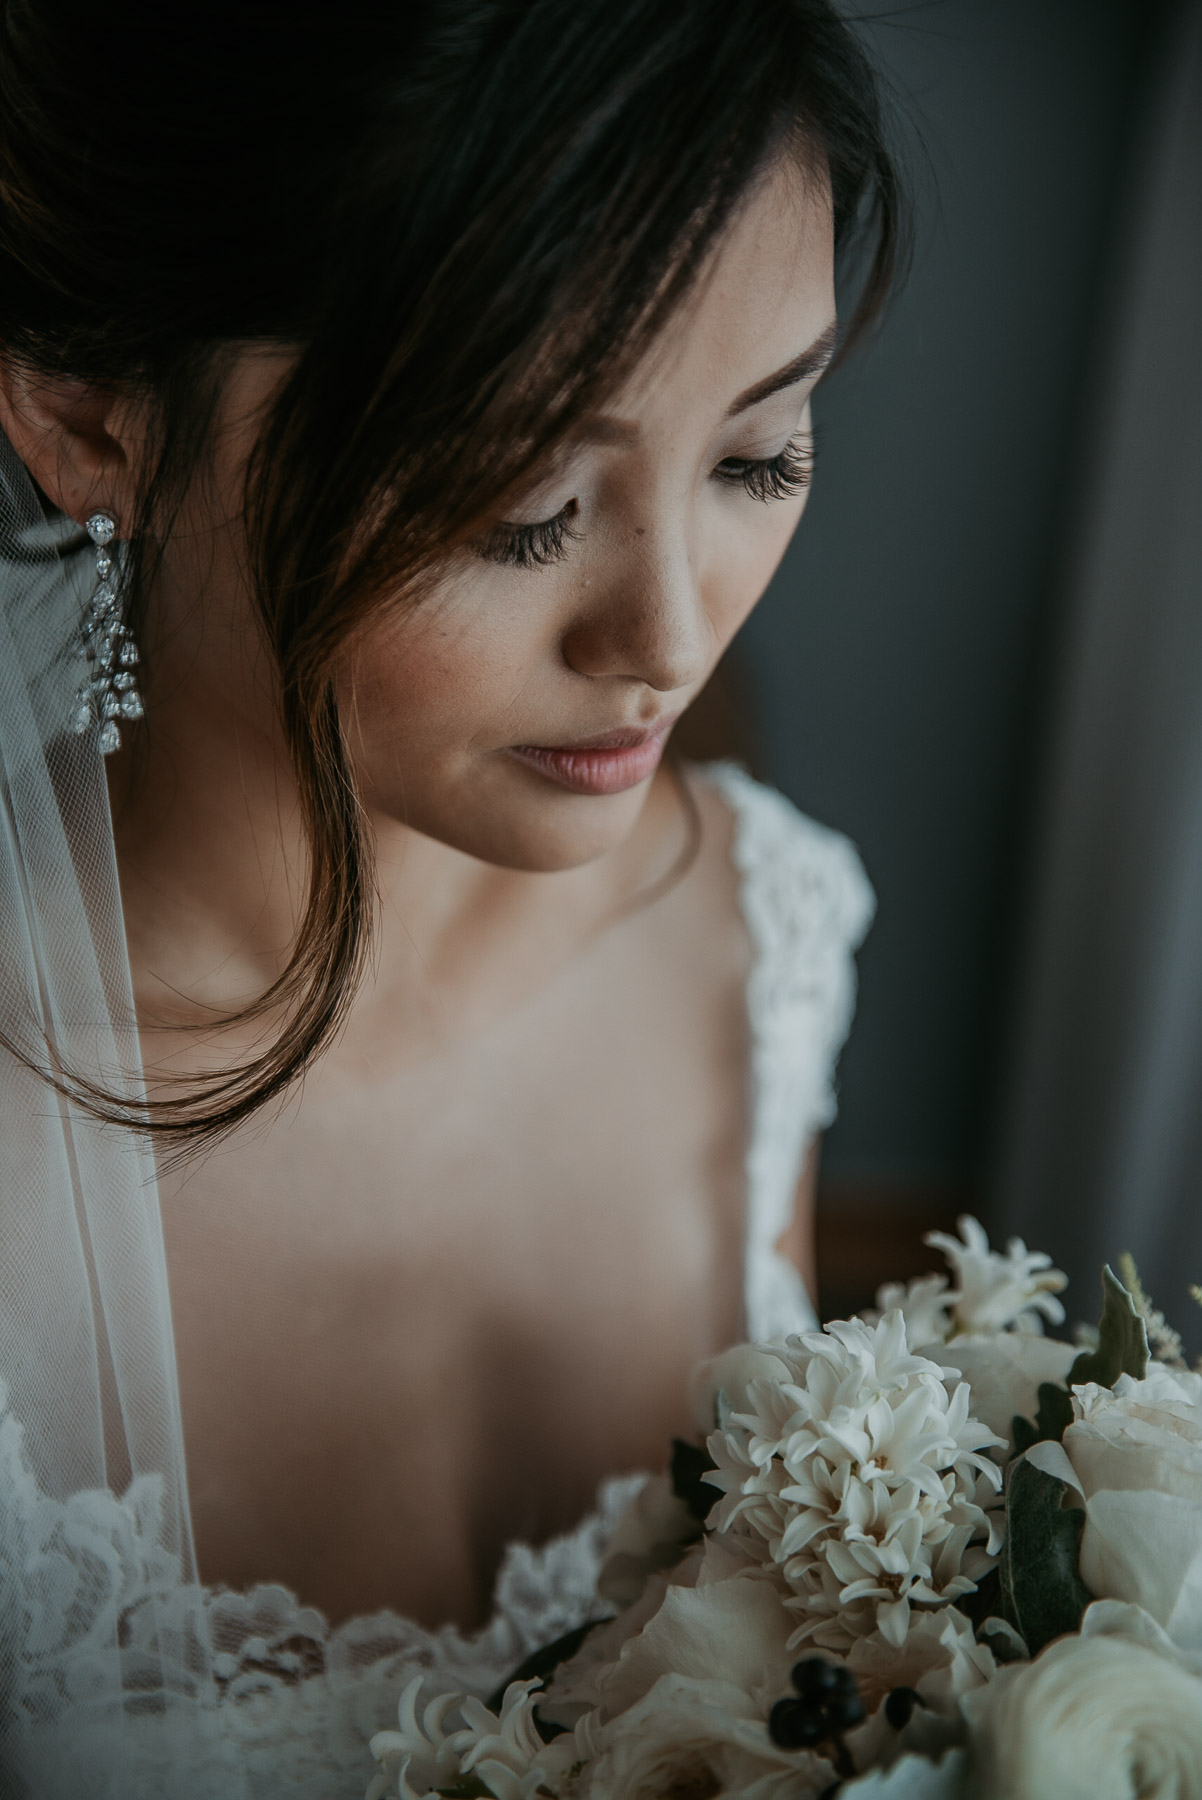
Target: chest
[429,1306]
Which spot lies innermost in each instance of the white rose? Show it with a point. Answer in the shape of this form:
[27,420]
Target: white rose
[1134,1455]
[940,1659]
[1092,1718]
[652,1534]
[576,1687]
[734,1631]
[913,1778]
[1116,1618]
[1004,1372]
[697,1738]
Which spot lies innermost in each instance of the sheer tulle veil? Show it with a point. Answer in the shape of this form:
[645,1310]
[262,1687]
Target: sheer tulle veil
[106,1677]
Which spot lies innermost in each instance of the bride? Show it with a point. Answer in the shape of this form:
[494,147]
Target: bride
[411,1070]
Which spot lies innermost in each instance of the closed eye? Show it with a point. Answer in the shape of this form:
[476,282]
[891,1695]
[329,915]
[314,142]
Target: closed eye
[543,541]
[531,546]
[780,477]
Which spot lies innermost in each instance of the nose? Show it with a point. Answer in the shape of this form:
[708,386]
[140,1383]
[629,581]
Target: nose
[645,620]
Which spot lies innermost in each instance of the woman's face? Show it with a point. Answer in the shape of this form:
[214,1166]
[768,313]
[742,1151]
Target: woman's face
[518,713]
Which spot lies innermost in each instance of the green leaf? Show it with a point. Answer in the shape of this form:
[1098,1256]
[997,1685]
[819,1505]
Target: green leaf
[1055,1412]
[467,1787]
[1043,1594]
[688,1468]
[1122,1350]
[1122,1339]
[1023,1433]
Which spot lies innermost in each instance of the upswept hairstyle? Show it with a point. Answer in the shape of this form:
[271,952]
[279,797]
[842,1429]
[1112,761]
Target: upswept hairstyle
[468,217]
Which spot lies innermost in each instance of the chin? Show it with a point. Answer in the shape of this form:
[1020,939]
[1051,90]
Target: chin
[535,834]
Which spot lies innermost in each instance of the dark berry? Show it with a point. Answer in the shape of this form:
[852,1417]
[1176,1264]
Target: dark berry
[844,1710]
[815,1678]
[796,1725]
[899,1707]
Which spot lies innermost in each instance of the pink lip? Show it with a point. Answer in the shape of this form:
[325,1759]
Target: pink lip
[608,764]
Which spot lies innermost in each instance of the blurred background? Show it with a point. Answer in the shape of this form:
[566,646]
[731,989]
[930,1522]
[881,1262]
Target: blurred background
[982,656]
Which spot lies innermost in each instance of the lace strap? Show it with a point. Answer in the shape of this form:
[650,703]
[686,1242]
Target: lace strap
[807,906]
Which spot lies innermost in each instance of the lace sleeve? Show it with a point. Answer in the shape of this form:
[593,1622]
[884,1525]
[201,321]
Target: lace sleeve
[807,905]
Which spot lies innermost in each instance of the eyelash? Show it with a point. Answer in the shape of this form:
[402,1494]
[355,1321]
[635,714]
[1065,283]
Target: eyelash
[531,546]
[780,477]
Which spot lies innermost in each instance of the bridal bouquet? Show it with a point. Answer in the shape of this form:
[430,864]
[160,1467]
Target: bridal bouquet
[927,1554]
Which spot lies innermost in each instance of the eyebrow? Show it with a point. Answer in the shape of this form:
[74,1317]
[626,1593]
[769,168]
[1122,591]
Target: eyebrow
[813,360]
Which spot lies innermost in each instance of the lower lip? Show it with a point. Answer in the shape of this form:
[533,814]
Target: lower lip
[595,771]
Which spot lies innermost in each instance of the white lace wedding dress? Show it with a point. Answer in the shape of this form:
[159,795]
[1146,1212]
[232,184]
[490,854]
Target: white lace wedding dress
[289,1703]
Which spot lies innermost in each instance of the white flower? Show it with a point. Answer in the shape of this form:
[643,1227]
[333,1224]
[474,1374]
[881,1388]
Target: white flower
[997,1293]
[1015,1292]
[860,1478]
[697,1740]
[940,1659]
[736,1631]
[925,1304]
[1005,1373]
[683,1623]
[914,1778]
[417,1748]
[651,1535]
[722,1384]
[1092,1718]
[1117,1618]
[1134,1454]
[505,1753]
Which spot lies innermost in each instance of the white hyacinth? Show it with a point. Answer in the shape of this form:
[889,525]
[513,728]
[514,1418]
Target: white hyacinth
[861,1478]
[504,1753]
[1014,1292]
[925,1304]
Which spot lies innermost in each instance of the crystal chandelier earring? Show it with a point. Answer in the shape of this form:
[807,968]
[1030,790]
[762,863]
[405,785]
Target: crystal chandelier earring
[110,689]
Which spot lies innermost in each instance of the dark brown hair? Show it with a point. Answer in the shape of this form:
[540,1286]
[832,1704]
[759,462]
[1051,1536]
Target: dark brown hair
[469,217]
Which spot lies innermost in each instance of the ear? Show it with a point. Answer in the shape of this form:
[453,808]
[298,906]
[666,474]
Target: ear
[73,439]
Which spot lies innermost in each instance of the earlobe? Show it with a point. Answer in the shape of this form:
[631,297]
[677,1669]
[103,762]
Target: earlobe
[66,434]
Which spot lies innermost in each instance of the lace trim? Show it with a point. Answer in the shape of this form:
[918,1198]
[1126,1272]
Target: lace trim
[286,1705]
[807,904]
[266,1638]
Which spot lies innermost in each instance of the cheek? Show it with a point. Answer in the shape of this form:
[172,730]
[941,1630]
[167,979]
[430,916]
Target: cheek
[746,554]
[431,705]
[433,695]
[418,693]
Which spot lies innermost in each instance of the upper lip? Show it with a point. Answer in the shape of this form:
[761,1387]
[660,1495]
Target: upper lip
[626,737]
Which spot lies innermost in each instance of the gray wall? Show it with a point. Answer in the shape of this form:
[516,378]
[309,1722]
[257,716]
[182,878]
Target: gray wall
[895,664]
